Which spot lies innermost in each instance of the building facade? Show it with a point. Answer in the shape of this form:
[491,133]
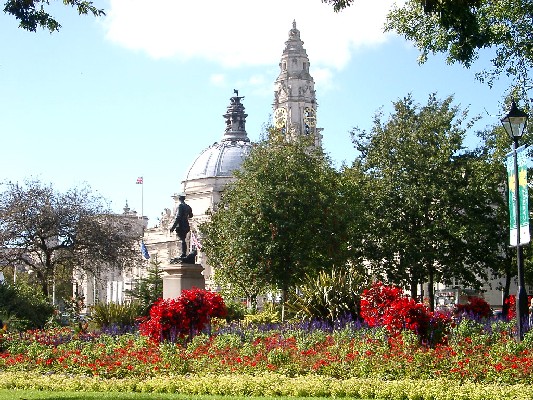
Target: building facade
[294,114]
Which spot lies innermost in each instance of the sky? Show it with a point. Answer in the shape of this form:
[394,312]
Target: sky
[142,91]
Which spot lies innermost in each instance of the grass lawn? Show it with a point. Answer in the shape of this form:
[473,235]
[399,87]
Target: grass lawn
[37,394]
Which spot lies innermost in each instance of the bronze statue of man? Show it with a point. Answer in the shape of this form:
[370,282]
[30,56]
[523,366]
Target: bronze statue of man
[181,223]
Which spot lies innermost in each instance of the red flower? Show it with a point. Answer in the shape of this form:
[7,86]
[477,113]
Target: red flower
[177,318]
[476,306]
[387,306]
[376,300]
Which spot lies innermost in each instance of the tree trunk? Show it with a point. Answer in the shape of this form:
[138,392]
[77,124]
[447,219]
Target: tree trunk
[43,281]
[431,292]
[283,302]
[414,287]
[253,301]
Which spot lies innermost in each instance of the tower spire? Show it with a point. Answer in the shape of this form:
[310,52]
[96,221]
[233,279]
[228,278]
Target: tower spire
[295,102]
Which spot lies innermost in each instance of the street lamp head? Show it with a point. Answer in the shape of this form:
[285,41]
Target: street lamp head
[515,122]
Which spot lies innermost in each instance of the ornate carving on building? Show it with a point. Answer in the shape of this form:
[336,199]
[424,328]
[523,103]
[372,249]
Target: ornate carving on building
[294,112]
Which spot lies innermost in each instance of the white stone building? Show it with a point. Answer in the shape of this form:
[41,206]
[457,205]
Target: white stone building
[295,113]
[109,284]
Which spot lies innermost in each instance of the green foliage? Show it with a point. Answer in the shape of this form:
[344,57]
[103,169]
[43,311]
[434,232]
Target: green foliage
[74,308]
[147,290]
[270,385]
[281,218]
[429,219]
[227,341]
[49,232]
[32,14]
[236,311]
[461,29]
[328,296]
[478,354]
[467,328]
[339,5]
[113,314]
[23,307]
[268,315]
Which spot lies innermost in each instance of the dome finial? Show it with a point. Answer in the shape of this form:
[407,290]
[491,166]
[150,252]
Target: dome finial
[235,119]
[293,24]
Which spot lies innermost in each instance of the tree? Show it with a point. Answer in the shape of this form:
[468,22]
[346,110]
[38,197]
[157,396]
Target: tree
[147,290]
[45,231]
[429,221]
[279,220]
[32,13]
[461,29]
[492,153]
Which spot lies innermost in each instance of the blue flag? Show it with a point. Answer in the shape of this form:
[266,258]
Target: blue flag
[144,251]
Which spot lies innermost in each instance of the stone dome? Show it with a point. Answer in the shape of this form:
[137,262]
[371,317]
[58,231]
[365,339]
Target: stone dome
[219,160]
[222,158]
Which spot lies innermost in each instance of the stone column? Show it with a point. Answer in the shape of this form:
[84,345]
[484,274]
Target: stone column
[181,276]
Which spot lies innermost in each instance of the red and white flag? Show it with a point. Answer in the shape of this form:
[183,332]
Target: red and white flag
[139,180]
[195,242]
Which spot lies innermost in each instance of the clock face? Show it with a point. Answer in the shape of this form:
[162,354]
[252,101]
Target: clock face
[310,116]
[280,117]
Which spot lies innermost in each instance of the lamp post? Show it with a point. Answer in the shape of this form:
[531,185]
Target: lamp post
[515,124]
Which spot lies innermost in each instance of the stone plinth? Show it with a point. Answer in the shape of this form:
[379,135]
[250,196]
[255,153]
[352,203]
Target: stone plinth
[181,276]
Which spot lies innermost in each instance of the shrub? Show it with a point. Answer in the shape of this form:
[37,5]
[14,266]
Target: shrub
[476,307]
[328,296]
[404,313]
[183,317]
[236,311]
[148,289]
[376,300]
[113,314]
[510,301]
[23,306]
[387,306]
[268,315]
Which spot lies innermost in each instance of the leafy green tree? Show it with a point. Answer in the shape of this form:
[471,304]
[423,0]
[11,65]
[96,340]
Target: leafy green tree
[33,14]
[147,290]
[46,231]
[461,29]
[429,220]
[279,220]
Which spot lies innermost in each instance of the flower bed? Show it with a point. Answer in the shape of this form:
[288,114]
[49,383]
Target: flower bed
[273,384]
[400,347]
[476,352]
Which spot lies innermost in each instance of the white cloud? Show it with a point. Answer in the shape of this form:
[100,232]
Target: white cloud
[218,79]
[238,33]
[323,78]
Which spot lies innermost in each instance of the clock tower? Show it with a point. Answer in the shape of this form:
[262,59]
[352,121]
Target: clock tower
[294,94]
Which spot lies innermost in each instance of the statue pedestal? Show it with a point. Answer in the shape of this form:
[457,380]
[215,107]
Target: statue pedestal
[181,276]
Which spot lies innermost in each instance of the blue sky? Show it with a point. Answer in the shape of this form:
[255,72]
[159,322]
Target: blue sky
[141,92]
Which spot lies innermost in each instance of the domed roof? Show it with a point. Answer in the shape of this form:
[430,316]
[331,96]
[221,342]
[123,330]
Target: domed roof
[221,159]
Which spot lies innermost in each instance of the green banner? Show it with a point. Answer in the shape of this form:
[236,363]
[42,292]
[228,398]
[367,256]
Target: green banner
[523,217]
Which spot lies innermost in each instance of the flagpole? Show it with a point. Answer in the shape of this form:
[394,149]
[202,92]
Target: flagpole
[142,205]
[140,181]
